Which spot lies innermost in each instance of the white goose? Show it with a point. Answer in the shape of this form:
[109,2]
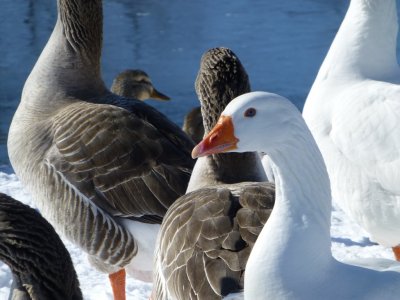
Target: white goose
[353,112]
[292,257]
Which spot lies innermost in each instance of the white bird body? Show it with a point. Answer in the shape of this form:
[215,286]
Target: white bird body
[353,112]
[292,257]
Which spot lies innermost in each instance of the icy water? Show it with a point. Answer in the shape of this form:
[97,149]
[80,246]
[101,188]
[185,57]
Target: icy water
[281,43]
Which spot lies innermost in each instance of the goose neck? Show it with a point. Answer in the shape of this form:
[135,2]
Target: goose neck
[82,25]
[303,188]
[300,220]
[297,234]
[212,107]
[236,167]
[69,65]
[365,45]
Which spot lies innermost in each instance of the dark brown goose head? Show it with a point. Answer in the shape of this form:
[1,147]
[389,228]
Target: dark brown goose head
[220,79]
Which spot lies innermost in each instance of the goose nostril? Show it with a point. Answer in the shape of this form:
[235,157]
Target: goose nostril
[213,137]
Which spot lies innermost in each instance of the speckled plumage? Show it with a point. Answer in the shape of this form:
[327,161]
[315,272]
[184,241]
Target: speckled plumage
[41,265]
[208,235]
[221,78]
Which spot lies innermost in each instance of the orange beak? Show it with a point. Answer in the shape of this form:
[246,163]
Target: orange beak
[220,139]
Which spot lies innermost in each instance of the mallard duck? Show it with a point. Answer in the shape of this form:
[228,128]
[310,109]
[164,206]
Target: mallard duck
[136,84]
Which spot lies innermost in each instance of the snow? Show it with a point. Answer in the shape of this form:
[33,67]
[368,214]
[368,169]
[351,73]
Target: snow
[94,285]
[349,242]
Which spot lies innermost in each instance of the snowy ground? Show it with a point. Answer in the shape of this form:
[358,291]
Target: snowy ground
[348,242]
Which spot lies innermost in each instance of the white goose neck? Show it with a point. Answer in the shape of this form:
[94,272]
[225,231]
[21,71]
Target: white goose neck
[302,185]
[297,234]
[365,45]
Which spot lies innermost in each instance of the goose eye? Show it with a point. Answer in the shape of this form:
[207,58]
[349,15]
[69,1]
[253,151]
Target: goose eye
[250,112]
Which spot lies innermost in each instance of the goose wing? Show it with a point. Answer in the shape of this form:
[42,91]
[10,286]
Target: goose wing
[206,238]
[130,165]
[26,238]
[366,131]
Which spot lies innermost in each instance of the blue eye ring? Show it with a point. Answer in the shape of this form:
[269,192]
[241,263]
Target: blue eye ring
[250,112]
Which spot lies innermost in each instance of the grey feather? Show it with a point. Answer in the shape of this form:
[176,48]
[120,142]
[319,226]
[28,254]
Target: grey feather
[41,265]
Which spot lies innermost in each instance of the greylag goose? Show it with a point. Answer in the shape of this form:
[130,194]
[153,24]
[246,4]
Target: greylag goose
[353,112]
[222,77]
[101,168]
[41,265]
[136,84]
[292,256]
[207,234]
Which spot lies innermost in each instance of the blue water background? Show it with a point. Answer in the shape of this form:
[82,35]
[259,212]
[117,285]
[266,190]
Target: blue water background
[281,44]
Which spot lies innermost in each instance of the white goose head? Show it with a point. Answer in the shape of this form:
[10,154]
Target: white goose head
[246,119]
[300,221]
[266,122]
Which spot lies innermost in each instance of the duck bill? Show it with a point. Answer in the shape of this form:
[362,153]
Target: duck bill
[220,139]
[159,96]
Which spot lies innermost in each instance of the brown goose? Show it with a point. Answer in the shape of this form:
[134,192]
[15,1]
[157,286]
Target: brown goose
[193,124]
[207,234]
[41,265]
[95,163]
[136,84]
